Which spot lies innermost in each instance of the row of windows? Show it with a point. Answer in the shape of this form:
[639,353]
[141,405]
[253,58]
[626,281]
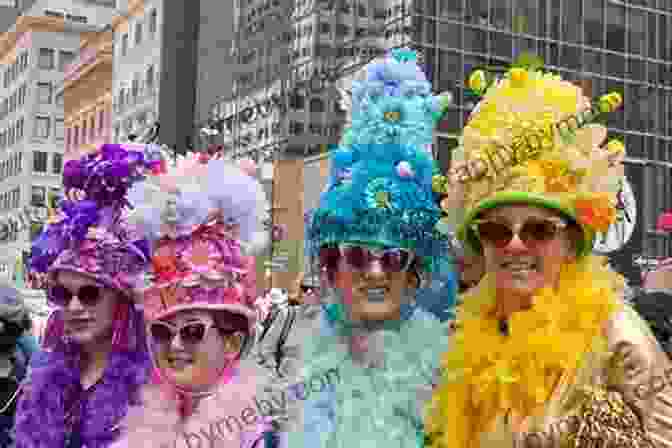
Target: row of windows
[12,166]
[15,69]
[141,86]
[87,130]
[138,32]
[47,59]
[43,127]
[39,198]
[640,31]
[41,162]
[10,200]
[15,101]
[12,135]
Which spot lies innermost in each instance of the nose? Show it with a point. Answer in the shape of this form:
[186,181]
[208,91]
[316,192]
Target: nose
[75,304]
[374,271]
[516,245]
[176,342]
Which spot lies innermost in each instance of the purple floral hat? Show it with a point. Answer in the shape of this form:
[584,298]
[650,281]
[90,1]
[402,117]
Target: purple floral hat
[90,234]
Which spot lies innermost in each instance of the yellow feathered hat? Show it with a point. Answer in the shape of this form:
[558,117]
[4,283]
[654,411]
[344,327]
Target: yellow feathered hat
[534,139]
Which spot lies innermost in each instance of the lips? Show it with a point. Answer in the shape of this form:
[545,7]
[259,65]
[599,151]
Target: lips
[79,324]
[520,266]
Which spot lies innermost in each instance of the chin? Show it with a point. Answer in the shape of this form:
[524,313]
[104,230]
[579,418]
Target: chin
[375,311]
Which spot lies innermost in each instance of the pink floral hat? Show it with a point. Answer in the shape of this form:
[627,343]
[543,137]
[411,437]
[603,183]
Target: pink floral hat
[204,218]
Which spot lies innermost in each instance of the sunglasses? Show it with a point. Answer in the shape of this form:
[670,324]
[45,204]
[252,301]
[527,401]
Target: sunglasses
[534,232]
[191,333]
[88,295]
[361,258]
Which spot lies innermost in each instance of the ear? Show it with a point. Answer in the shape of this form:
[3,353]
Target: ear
[412,280]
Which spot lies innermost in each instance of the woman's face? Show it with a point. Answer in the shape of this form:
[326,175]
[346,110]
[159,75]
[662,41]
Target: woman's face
[194,347]
[88,308]
[533,258]
[373,282]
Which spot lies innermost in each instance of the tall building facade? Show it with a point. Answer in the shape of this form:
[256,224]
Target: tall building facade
[602,45]
[155,65]
[34,55]
[87,95]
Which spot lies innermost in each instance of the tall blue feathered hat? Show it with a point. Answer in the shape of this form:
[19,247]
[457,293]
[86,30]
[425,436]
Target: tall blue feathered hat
[380,186]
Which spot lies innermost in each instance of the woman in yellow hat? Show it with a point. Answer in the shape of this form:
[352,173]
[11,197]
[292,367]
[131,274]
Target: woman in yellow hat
[546,353]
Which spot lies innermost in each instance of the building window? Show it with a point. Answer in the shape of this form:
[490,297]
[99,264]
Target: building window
[59,129]
[16,194]
[149,79]
[152,22]
[59,99]
[101,118]
[38,196]
[19,127]
[138,33]
[42,127]
[46,61]
[39,162]
[44,92]
[135,87]
[65,58]
[124,45]
[57,163]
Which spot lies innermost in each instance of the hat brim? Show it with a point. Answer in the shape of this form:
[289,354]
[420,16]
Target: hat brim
[467,235]
[229,307]
[130,295]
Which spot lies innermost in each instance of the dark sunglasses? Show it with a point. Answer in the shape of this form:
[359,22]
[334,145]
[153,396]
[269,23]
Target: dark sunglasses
[61,296]
[191,333]
[534,232]
[360,258]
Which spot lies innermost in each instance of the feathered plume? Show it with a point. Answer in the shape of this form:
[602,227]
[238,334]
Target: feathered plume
[95,190]
[193,192]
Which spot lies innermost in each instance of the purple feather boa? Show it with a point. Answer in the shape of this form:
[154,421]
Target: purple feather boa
[55,375]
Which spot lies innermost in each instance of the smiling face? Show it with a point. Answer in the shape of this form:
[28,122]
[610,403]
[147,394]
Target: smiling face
[193,348]
[88,319]
[372,282]
[521,269]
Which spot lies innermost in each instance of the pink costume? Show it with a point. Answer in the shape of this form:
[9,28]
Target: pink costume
[201,217]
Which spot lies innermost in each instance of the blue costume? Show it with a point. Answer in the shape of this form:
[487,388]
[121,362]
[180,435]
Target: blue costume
[380,194]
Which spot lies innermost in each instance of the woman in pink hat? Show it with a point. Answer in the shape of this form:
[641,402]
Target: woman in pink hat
[199,309]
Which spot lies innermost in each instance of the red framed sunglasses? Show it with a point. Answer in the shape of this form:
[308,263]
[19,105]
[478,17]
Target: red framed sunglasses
[360,258]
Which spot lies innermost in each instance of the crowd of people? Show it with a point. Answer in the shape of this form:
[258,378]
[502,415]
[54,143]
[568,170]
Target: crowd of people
[455,310]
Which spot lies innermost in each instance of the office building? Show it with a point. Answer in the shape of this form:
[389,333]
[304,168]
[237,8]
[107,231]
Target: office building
[86,95]
[34,54]
[602,45]
[155,69]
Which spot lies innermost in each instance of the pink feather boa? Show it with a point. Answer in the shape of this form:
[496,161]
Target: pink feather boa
[227,419]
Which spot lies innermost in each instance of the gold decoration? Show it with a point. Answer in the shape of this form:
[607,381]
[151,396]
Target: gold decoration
[392,115]
[382,199]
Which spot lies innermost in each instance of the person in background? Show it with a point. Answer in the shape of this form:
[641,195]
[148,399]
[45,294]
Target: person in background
[14,325]
[94,355]
[202,220]
[656,309]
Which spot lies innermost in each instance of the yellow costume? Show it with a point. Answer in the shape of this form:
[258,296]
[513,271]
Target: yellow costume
[579,367]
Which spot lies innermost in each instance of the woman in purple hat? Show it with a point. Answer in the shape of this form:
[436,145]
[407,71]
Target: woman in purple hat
[94,355]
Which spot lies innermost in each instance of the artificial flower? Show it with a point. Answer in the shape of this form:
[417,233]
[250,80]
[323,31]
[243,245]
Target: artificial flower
[596,211]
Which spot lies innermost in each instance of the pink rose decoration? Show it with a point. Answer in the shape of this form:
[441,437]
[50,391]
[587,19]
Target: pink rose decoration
[248,166]
[404,169]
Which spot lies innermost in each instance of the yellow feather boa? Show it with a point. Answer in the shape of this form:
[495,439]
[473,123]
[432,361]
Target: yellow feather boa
[485,374]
